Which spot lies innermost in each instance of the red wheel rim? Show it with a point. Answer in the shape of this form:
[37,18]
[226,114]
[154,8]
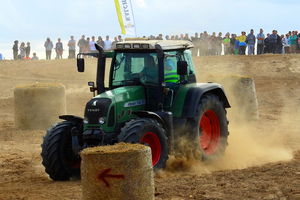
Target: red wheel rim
[152,140]
[210,132]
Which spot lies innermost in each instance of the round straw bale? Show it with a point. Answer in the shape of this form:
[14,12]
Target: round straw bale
[241,92]
[38,105]
[121,171]
[246,97]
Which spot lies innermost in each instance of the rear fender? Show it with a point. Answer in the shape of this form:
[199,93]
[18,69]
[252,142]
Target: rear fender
[194,95]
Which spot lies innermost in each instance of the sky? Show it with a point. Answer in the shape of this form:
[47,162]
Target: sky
[35,20]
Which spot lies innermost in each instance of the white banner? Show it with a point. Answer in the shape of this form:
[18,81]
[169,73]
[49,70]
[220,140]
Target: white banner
[125,16]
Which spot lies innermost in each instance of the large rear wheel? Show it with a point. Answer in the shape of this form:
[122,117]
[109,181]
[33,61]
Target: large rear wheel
[211,127]
[149,132]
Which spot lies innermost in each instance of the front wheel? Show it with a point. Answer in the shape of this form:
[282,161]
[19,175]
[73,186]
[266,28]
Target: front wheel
[149,132]
[58,158]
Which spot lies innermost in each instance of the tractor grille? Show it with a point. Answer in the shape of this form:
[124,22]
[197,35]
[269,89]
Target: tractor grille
[96,108]
[92,127]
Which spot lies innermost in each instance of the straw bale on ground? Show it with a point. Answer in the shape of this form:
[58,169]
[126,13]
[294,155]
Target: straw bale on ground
[38,105]
[121,171]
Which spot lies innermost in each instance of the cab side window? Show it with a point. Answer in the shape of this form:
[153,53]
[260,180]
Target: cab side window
[189,60]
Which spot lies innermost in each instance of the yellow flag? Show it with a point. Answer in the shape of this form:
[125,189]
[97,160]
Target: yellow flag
[125,17]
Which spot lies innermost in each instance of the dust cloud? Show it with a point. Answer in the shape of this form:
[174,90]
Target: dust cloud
[251,141]
[248,145]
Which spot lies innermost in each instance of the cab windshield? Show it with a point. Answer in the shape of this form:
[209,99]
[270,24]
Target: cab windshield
[134,69]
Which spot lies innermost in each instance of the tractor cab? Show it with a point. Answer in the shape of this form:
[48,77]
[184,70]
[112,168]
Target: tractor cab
[155,61]
[160,67]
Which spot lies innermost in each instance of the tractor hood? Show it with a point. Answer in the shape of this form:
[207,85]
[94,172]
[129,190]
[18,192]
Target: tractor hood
[115,106]
[122,94]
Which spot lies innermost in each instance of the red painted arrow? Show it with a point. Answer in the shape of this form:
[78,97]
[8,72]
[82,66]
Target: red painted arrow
[105,174]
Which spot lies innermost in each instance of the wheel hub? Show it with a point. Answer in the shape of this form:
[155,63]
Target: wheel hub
[151,139]
[210,132]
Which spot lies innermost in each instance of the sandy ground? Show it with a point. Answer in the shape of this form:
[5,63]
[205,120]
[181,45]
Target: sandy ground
[262,160]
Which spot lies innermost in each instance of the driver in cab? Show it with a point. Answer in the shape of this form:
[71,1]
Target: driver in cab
[150,72]
[171,76]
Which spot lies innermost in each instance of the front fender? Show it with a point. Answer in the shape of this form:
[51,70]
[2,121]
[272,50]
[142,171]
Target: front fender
[148,114]
[72,118]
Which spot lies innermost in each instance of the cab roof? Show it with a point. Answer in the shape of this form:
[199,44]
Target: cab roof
[150,44]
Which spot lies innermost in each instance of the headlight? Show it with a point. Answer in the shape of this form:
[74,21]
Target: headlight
[101,120]
[85,121]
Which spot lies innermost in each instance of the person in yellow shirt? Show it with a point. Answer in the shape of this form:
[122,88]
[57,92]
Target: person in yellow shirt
[242,39]
[226,43]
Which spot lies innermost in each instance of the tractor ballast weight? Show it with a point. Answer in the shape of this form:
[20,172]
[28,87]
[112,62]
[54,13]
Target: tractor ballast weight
[152,98]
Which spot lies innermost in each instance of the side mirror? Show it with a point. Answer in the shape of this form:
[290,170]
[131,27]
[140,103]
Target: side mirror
[182,68]
[80,64]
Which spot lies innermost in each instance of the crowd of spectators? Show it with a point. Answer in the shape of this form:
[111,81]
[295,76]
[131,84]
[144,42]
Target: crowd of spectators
[22,52]
[85,45]
[205,44]
[233,44]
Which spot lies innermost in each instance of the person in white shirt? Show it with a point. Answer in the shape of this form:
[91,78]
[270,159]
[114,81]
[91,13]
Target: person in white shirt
[72,47]
[34,57]
[92,45]
[286,44]
[107,44]
[48,46]
[22,51]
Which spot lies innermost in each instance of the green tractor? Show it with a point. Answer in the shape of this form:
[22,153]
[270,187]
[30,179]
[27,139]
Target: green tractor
[152,98]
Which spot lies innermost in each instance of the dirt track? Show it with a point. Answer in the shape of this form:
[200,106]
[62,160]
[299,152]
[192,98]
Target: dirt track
[262,160]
